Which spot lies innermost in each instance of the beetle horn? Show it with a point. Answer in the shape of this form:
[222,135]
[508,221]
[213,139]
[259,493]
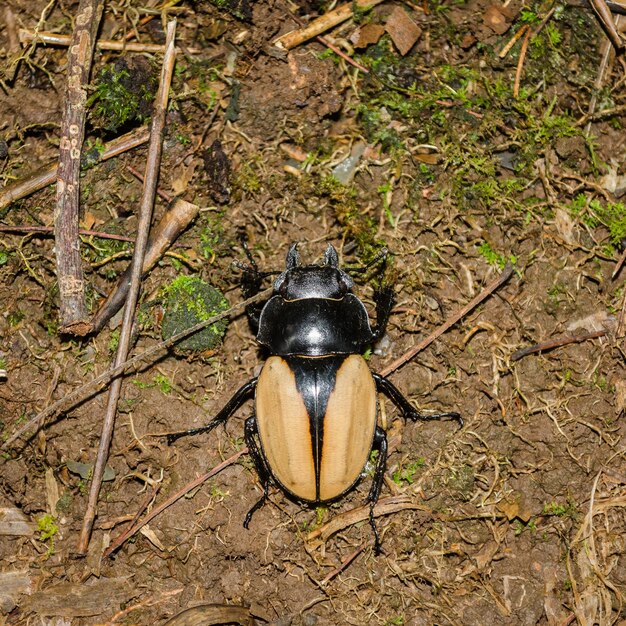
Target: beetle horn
[330,256]
[293,258]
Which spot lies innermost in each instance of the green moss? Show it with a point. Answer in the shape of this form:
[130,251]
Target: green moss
[188,301]
[123,93]
[47,531]
[406,474]
[493,258]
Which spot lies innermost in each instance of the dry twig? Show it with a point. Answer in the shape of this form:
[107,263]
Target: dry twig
[47,175]
[520,63]
[407,356]
[73,312]
[145,217]
[49,230]
[55,39]
[322,24]
[605,17]
[555,343]
[93,386]
[133,528]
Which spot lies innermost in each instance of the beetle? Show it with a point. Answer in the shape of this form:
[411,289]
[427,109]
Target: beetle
[315,421]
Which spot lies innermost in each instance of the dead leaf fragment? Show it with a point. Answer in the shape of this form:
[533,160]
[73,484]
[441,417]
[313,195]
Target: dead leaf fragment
[495,19]
[367,35]
[12,585]
[69,599]
[516,506]
[14,522]
[404,32]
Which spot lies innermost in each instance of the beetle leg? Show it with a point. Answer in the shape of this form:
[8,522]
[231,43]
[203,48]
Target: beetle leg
[408,410]
[241,395]
[380,443]
[250,433]
[384,299]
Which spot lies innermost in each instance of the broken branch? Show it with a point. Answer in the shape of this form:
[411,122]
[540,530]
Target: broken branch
[145,217]
[47,174]
[323,23]
[73,311]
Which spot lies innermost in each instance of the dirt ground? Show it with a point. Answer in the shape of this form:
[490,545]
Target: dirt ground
[459,156]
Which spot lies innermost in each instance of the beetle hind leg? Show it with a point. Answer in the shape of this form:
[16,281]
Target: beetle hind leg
[250,434]
[380,444]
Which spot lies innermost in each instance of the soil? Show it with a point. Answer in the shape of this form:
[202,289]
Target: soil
[516,518]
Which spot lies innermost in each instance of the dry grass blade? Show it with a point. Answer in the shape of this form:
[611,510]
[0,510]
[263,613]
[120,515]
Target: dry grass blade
[387,506]
[592,553]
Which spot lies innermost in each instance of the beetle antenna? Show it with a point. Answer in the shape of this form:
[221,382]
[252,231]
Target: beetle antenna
[381,256]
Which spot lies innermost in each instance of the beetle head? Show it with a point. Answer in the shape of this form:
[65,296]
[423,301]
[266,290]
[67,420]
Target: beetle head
[299,281]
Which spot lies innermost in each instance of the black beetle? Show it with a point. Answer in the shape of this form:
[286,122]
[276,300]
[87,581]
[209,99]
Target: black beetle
[316,399]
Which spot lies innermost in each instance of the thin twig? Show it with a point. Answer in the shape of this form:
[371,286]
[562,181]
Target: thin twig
[323,23]
[48,174]
[605,17]
[621,319]
[50,230]
[89,389]
[520,63]
[407,356]
[143,228]
[139,176]
[345,563]
[54,39]
[524,29]
[133,528]
[555,343]
[72,307]
[606,55]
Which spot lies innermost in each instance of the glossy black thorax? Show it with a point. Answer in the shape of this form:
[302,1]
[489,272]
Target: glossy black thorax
[313,311]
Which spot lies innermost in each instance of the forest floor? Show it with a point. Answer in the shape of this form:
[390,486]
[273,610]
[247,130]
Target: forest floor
[456,154]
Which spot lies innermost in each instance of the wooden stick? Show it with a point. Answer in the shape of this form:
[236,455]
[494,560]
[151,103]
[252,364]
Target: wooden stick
[73,311]
[524,29]
[54,39]
[520,63]
[386,506]
[145,217]
[555,343]
[133,528]
[47,174]
[605,17]
[50,229]
[89,389]
[323,23]
[407,356]
[173,223]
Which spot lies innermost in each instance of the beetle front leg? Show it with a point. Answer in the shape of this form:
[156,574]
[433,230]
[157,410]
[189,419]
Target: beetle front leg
[380,443]
[408,410]
[241,395]
[250,434]
[384,299]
